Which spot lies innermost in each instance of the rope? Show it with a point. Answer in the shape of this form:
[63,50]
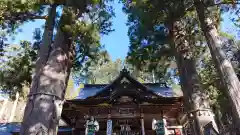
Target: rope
[48,94]
[197,110]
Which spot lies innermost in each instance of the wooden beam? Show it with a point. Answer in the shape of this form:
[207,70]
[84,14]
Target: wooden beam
[104,116]
[107,100]
[75,104]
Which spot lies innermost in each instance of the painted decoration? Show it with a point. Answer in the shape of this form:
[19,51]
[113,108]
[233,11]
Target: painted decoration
[109,127]
[92,127]
[158,126]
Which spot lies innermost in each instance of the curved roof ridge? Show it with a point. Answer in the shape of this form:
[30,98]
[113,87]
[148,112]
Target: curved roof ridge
[125,74]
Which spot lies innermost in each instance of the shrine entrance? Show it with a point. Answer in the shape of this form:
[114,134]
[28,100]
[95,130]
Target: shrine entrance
[126,127]
[124,107]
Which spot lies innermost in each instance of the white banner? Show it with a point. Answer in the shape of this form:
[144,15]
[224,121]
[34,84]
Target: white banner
[109,127]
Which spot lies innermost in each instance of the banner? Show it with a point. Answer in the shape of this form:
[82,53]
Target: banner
[109,127]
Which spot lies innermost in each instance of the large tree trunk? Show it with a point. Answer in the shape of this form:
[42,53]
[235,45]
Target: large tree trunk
[195,99]
[225,69]
[45,46]
[44,106]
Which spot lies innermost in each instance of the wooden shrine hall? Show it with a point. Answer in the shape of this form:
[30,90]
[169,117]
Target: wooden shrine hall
[124,107]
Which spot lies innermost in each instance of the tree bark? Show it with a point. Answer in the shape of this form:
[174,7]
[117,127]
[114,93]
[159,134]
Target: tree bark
[44,106]
[195,99]
[225,69]
[45,46]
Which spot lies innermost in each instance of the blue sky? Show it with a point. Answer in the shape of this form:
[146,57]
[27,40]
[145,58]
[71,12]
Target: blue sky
[116,42]
[228,26]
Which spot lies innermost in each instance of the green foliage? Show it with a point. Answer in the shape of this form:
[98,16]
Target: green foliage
[102,72]
[151,46]
[17,69]
[71,92]
[70,89]
[177,90]
[209,79]
[150,43]
[87,32]
[93,19]
[227,35]
[14,13]
[212,85]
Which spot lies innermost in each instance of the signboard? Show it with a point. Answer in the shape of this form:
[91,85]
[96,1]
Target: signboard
[109,127]
[126,112]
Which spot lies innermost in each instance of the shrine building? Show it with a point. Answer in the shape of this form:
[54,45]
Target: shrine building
[125,107]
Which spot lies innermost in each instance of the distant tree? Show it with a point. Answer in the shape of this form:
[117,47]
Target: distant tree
[69,89]
[103,73]
[15,58]
[169,35]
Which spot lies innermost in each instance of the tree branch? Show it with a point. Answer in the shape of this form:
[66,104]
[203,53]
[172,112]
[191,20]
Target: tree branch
[71,3]
[22,16]
[204,54]
[191,7]
[81,61]
[39,17]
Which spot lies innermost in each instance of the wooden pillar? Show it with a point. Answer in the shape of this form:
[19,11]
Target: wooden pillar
[86,129]
[86,125]
[142,124]
[164,119]
[165,125]
[73,125]
[73,131]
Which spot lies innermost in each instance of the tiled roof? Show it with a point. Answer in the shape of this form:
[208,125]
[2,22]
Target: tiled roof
[91,90]
[102,90]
